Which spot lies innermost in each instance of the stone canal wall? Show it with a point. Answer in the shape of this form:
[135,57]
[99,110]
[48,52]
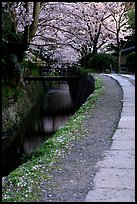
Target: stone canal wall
[13,115]
[80,90]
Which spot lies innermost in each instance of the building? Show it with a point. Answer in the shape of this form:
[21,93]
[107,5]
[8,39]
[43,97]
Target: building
[124,54]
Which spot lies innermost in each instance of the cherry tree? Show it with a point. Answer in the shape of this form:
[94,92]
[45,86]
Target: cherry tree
[117,25]
[64,31]
[73,25]
[77,25]
[81,26]
[93,15]
[53,31]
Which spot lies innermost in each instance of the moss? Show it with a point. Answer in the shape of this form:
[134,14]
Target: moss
[23,184]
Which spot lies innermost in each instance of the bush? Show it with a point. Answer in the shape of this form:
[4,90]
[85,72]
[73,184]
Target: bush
[84,60]
[102,62]
[31,66]
[130,62]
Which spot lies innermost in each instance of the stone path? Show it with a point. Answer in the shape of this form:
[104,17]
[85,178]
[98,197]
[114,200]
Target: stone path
[115,180]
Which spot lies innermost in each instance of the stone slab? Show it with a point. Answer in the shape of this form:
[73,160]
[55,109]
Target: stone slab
[118,159]
[126,124]
[123,145]
[129,76]
[130,98]
[128,113]
[128,105]
[129,91]
[111,195]
[115,178]
[127,118]
[124,134]
[125,83]
[129,109]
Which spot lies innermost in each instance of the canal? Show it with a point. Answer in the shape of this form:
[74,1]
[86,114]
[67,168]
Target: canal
[45,119]
[48,115]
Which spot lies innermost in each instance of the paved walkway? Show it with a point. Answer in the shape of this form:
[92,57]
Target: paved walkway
[115,180]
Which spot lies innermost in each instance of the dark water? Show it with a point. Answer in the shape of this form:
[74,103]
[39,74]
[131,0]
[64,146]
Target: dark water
[49,114]
[45,119]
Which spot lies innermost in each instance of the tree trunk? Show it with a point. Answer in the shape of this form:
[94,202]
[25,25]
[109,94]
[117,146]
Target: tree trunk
[34,25]
[119,62]
[18,44]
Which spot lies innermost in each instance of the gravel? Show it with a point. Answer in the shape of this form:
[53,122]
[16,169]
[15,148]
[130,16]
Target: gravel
[72,177]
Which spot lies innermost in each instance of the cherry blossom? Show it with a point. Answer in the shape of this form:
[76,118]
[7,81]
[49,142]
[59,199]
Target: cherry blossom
[68,30]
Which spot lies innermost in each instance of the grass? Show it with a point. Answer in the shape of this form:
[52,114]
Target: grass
[23,184]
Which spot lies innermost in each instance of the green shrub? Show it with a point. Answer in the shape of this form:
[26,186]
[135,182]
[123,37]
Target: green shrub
[32,67]
[84,60]
[130,62]
[102,62]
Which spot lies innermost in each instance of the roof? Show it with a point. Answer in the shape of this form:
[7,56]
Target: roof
[128,49]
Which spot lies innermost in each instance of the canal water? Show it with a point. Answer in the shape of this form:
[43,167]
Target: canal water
[45,119]
[53,112]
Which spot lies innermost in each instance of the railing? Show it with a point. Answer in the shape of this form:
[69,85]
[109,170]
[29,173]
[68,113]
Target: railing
[51,78]
[45,71]
[55,74]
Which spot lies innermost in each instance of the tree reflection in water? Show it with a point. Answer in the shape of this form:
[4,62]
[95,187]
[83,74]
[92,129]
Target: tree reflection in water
[54,112]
